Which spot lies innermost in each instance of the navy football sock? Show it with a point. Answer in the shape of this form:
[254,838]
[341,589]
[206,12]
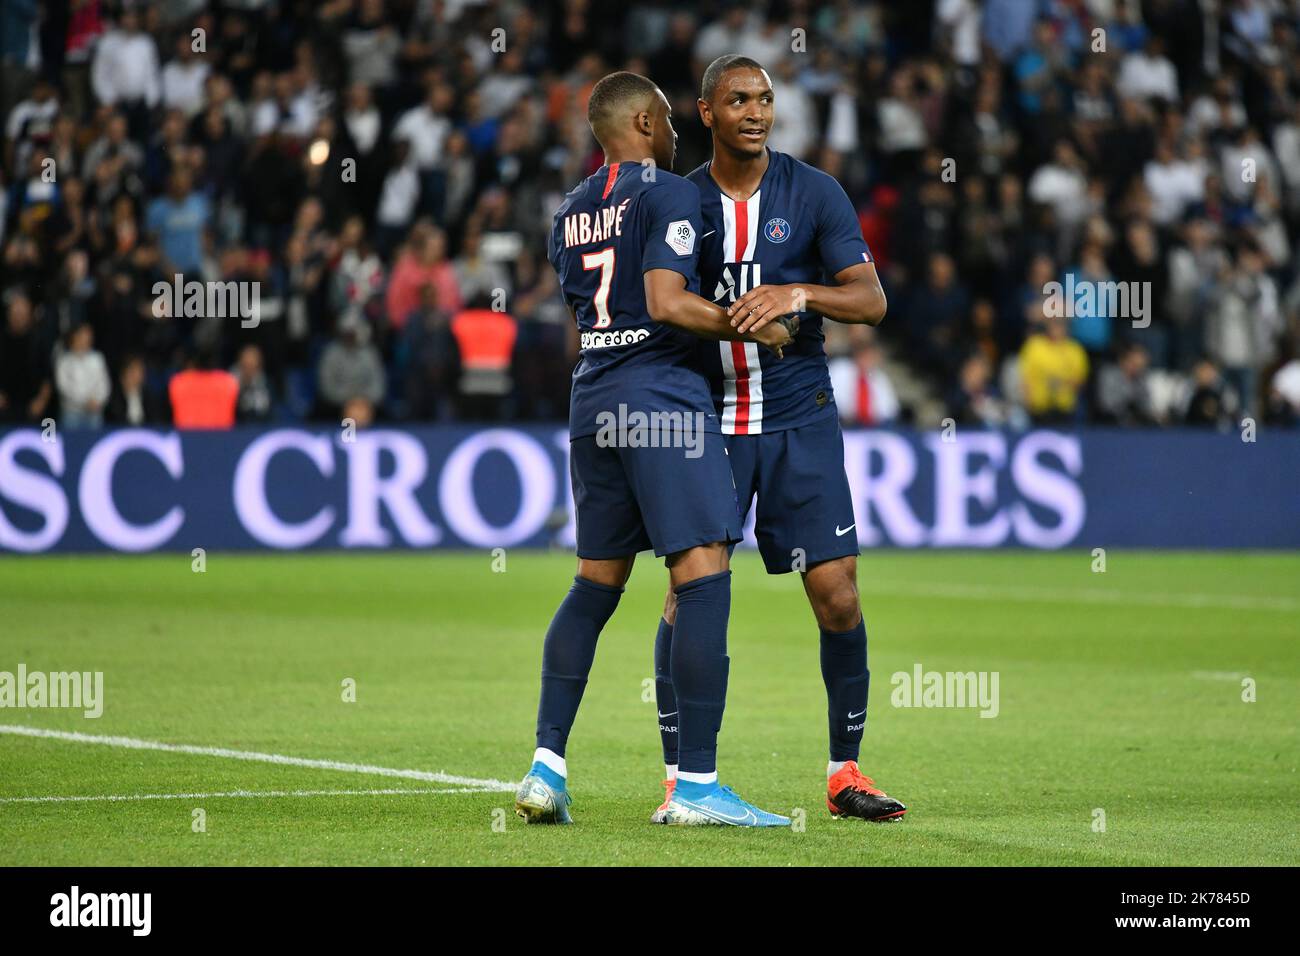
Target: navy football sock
[844,671]
[567,655]
[664,696]
[699,669]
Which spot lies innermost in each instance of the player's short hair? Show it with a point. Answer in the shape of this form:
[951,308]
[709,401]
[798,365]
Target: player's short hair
[722,66]
[616,96]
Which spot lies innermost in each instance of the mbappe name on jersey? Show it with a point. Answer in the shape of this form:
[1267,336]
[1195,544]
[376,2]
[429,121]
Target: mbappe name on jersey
[582,228]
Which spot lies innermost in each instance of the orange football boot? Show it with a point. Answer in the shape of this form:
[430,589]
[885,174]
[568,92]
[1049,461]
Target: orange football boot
[850,794]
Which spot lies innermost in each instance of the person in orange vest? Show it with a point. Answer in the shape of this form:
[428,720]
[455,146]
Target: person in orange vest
[486,340]
[203,396]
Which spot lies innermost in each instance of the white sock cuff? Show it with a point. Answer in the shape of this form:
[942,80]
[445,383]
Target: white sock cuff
[549,758]
[698,777]
[670,770]
[834,767]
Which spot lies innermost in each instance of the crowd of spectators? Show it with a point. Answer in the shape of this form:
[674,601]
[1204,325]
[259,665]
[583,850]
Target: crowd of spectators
[386,171]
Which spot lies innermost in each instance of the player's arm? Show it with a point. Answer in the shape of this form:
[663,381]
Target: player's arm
[857,297]
[670,257]
[669,302]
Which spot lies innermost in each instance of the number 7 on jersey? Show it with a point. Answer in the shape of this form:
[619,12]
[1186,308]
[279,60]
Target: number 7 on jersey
[604,261]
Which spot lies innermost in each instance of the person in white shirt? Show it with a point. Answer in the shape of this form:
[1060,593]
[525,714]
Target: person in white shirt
[299,102]
[31,118]
[398,197]
[794,130]
[732,32]
[1286,386]
[183,78]
[958,22]
[864,393]
[371,46]
[426,128]
[125,71]
[1248,153]
[1148,74]
[1217,109]
[1173,183]
[770,43]
[1061,185]
[81,377]
[504,85]
[361,118]
[264,111]
[902,128]
[1242,321]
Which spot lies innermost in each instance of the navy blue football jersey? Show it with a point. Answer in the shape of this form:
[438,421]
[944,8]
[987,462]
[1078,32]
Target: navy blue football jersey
[618,224]
[799,226]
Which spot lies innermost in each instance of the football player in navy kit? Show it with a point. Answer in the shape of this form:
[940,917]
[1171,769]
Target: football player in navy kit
[625,247]
[781,237]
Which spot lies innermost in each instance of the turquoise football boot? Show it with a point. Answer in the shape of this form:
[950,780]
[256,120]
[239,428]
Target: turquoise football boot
[542,797]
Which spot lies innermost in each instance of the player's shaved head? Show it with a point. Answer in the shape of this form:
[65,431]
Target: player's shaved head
[615,99]
[720,68]
[632,120]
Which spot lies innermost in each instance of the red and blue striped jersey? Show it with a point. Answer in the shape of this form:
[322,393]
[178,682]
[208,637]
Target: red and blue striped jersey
[799,226]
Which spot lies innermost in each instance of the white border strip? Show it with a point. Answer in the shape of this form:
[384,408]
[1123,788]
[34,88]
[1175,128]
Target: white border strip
[132,743]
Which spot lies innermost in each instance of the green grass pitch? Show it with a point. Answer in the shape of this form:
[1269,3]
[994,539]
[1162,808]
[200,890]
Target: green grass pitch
[1120,692]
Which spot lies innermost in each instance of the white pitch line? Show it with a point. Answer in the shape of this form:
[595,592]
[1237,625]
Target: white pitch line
[1219,675]
[117,798]
[976,592]
[132,743]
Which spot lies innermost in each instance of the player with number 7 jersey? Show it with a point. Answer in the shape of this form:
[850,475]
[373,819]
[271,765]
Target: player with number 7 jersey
[621,222]
[646,452]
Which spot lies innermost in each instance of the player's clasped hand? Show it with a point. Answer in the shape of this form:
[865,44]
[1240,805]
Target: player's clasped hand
[777,335]
[762,305]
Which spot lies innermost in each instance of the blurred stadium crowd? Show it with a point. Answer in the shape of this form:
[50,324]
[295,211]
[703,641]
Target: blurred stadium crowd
[387,169]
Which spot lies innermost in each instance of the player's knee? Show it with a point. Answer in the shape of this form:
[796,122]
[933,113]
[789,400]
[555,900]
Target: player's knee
[611,573]
[697,562]
[839,610]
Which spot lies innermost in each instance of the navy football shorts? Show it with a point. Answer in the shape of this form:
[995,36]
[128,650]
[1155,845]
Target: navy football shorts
[633,499]
[805,510]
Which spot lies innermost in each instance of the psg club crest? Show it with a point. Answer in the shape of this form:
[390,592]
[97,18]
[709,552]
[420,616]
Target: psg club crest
[776,230]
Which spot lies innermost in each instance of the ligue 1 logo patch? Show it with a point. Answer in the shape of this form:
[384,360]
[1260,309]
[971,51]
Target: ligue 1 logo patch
[777,230]
[681,237]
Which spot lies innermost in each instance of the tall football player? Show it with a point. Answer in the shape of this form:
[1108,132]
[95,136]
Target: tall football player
[782,237]
[625,247]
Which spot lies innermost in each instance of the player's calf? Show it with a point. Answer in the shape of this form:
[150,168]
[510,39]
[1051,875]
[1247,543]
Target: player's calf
[666,704]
